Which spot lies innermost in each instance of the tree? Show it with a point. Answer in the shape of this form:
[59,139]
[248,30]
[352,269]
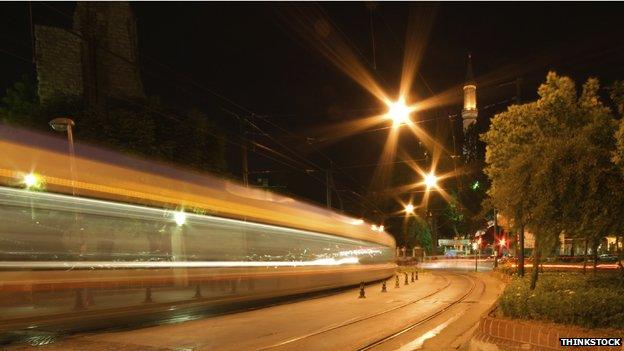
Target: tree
[419,233]
[454,215]
[549,165]
[20,103]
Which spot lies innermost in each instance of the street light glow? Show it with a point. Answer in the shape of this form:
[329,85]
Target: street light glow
[179,218]
[431,180]
[31,180]
[399,113]
[502,242]
[409,208]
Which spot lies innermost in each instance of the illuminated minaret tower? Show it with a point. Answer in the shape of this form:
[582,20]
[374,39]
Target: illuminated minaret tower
[469,113]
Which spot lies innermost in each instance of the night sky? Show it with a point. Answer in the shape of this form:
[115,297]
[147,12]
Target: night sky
[247,54]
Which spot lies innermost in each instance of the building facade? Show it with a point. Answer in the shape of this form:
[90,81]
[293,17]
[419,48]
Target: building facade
[97,59]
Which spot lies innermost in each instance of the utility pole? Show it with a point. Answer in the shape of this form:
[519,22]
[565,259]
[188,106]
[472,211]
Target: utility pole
[328,185]
[245,165]
[244,153]
[518,90]
[521,236]
[496,238]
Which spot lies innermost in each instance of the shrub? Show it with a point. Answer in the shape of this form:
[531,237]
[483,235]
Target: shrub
[569,298]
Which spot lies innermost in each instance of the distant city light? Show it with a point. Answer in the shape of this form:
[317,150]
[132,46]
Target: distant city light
[180,218]
[475,185]
[399,113]
[431,180]
[409,208]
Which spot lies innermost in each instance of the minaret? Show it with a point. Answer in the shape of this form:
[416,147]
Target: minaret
[469,113]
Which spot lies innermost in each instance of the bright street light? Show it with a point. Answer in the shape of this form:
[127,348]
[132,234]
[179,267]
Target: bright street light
[409,208]
[399,113]
[180,218]
[502,242]
[31,180]
[431,180]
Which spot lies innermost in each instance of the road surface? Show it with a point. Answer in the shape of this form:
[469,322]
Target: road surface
[437,312]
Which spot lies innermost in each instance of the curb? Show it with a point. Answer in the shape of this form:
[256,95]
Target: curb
[502,334]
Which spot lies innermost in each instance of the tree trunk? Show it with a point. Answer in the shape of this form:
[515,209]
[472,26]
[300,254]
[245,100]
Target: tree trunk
[595,254]
[536,263]
[620,257]
[585,258]
[521,252]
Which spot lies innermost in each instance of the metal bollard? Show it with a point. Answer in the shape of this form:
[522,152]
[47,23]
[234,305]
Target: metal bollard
[198,294]
[396,282]
[406,281]
[362,295]
[413,277]
[148,295]
[79,305]
[383,286]
[89,297]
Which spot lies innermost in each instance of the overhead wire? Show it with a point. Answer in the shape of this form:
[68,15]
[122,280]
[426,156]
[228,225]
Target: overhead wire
[222,97]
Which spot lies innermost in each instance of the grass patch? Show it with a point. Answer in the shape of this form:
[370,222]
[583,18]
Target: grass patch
[586,300]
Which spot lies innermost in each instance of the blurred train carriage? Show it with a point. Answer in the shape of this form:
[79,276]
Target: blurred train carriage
[138,232]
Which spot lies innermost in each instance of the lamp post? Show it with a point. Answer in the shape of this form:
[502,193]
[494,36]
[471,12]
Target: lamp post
[63,124]
[409,210]
[475,247]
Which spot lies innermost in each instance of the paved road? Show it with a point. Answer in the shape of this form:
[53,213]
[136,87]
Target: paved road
[436,312]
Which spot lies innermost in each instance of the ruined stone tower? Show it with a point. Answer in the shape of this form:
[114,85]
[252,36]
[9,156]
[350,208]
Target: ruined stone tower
[96,60]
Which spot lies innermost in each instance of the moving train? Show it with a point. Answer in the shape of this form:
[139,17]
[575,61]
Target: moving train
[101,233]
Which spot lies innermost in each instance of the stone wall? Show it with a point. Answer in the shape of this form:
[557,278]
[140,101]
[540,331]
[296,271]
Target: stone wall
[58,57]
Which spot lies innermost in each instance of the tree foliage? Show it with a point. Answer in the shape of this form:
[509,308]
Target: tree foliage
[419,233]
[141,128]
[549,162]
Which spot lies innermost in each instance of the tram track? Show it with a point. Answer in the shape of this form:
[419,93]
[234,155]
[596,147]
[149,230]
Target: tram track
[413,325]
[356,320]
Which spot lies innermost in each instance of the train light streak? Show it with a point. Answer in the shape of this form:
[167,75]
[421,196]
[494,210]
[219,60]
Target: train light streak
[360,252]
[357,221]
[173,264]
[568,266]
